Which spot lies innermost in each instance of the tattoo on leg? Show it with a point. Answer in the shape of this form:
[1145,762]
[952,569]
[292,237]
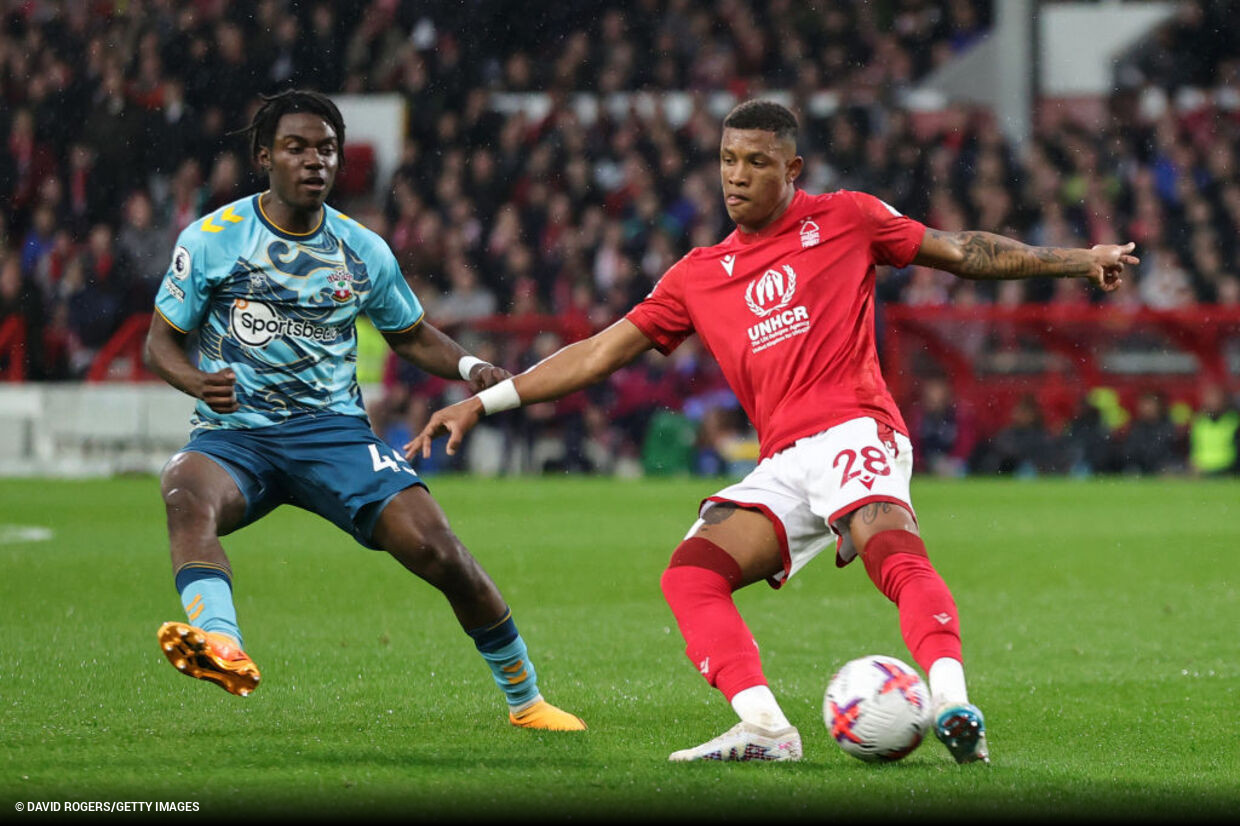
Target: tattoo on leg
[870,512]
[718,512]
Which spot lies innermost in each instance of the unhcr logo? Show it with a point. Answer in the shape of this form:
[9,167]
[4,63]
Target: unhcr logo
[768,297]
[771,291]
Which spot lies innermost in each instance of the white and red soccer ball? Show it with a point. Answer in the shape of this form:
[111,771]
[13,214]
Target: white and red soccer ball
[877,708]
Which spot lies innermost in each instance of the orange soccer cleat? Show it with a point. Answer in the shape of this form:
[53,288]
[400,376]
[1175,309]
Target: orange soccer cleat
[208,656]
[546,717]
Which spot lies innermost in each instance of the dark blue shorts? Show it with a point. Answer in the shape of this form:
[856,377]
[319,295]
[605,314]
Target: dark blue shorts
[328,464]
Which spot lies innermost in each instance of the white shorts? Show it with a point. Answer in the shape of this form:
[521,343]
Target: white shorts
[805,488]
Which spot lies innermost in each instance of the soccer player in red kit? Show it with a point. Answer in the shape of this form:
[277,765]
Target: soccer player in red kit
[786,306]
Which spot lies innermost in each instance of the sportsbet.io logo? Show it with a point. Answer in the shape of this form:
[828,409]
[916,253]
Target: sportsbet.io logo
[254,324]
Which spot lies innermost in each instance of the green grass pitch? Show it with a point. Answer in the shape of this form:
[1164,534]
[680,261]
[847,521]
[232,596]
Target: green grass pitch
[1099,617]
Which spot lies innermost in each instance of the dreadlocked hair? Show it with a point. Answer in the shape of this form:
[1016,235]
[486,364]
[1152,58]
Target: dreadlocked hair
[262,128]
[766,115]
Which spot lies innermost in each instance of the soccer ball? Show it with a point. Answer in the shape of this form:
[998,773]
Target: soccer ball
[877,708]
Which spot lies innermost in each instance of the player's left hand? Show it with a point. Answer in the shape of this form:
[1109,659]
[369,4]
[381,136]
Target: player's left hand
[1109,263]
[484,375]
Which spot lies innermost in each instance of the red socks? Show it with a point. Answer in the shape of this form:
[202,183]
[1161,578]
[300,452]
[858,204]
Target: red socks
[701,576]
[698,585]
[898,564]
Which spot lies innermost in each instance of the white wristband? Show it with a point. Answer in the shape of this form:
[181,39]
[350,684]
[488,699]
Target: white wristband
[466,364]
[502,396]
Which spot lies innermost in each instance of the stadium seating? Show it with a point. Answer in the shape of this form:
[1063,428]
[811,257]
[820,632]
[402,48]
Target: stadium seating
[552,174]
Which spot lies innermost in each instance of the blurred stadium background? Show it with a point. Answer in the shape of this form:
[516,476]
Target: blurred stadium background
[536,172]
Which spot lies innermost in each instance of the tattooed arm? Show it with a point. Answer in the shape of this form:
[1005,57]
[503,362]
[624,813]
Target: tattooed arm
[984,255]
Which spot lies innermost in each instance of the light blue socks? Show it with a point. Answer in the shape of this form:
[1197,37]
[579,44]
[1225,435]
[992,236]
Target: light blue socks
[206,593]
[504,650]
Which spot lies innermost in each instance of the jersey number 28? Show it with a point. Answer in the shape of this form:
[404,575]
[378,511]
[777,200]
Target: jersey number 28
[873,462]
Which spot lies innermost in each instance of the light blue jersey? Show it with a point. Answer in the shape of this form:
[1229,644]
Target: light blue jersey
[279,309]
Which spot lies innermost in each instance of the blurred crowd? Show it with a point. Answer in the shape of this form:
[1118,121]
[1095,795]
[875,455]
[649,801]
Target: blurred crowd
[117,116]
[1157,437]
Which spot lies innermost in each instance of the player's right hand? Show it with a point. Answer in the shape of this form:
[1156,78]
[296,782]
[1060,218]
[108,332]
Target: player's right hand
[219,391]
[455,420]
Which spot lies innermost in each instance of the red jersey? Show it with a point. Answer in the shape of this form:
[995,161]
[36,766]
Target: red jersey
[788,313]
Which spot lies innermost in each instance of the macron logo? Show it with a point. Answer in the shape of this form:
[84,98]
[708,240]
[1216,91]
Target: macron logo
[942,618]
[728,262]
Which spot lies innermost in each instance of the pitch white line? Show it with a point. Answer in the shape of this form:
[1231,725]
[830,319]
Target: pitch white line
[12,534]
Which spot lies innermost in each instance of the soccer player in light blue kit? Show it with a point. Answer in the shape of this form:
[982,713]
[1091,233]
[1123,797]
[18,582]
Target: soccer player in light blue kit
[273,284]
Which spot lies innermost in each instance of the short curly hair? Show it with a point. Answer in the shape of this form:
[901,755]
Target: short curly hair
[766,115]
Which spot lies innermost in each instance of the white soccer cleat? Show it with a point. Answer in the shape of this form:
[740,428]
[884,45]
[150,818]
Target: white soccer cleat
[746,742]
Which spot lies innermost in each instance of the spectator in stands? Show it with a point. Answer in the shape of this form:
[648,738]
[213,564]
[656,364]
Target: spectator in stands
[50,267]
[142,244]
[59,345]
[549,437]
[1024,447]
[173,129]
[39,241]
[1213,433]
[926,287]
[225,183]
[943,433]
[724,443]
[1087,442]
[323,45]
[186,196]
[86,199]
[63,356]
[31,160]
[16,293]
[236,72]
[1152,444]
[96,300]
[601,444]
[18,302]
[638,391]
[1164,284]
[1227,291]
[466,299]
[113,131]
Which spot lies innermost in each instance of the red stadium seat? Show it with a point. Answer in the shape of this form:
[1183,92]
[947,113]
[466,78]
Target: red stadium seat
[121,357]
[357,177]
[994,356]
[12,348]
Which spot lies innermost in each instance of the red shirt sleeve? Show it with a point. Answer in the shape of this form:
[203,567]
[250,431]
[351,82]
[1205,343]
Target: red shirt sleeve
[662,315]
[894,238]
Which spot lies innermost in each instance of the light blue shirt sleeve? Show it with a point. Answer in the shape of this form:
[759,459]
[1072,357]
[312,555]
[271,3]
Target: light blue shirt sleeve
[184,296]
[391,304]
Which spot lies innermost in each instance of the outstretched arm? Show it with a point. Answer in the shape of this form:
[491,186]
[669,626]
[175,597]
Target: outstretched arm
[567,370]
[985,255]
[435,352]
